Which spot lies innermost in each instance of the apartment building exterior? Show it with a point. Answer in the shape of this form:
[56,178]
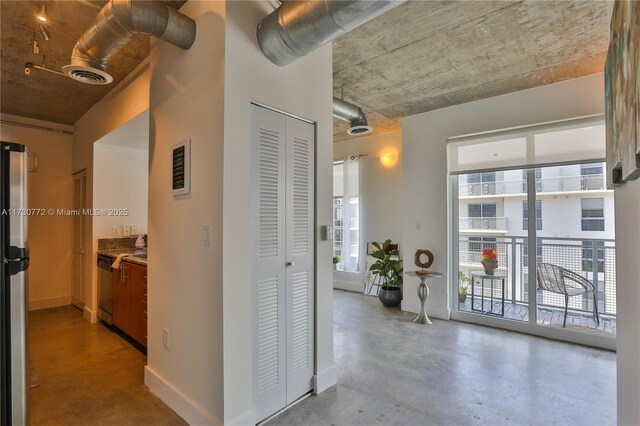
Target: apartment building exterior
[574,227]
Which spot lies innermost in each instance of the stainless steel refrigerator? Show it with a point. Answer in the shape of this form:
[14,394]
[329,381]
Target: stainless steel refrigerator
[14,258]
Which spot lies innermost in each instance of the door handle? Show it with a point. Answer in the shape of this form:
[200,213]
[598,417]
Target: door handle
[292,263]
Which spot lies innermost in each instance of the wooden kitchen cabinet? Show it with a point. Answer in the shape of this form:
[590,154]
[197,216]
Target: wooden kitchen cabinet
[130,300]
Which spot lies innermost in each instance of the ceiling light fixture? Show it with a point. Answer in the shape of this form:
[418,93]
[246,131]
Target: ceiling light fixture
[43,32]
[42,14]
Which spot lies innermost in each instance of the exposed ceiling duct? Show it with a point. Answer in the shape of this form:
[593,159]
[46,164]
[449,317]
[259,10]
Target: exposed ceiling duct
[353,114]
[115,25]
[297,28]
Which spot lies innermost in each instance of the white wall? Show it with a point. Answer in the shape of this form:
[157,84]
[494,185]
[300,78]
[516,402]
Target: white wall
[372,146]
[127,100]
[49,188]
[628,300]
[426,183]
[185,277]
[303,88]
[120,181]
[380,197]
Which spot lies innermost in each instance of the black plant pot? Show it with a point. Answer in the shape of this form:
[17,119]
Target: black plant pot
[391,296]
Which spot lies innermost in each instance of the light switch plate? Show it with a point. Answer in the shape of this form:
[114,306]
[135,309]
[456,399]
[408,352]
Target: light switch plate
[134,230]
[126,230]
[115,231]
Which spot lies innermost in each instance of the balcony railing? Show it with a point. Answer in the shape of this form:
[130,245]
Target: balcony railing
[594,259]
[547,184]
[489,223]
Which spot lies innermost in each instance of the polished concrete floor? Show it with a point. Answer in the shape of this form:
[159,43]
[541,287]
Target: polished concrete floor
[391,371]
[88,375]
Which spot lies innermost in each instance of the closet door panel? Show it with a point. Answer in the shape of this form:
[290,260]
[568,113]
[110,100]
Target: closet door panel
[269,288]
[300,257]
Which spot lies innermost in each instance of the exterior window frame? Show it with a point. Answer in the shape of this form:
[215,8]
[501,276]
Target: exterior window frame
[590,218]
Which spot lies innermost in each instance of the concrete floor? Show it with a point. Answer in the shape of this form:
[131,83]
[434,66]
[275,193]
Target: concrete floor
[88,375]
[391,371]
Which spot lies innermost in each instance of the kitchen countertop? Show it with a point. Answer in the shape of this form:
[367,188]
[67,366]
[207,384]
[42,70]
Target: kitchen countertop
[113,253]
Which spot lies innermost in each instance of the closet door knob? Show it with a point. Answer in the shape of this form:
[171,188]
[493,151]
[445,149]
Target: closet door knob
[292,263]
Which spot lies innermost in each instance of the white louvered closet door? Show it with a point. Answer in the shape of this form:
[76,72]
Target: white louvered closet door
[282,275]
[300,250]
[79,249]
[268,283]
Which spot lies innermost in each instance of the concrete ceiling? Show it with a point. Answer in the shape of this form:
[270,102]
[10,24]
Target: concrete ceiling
[420,56]
[44,95]
[425,55]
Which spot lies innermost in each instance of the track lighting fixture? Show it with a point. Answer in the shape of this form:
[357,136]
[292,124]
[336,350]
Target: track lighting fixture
[43,32]
[42,14]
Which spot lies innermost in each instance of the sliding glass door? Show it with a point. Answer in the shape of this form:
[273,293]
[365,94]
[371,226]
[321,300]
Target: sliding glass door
[576,271]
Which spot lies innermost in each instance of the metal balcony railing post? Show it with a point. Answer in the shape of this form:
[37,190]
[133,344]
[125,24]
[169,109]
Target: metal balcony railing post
[513,270]
[595,271]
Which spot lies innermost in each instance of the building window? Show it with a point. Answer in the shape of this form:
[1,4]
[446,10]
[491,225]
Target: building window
[482,183]
[538,174]
[593,214]
[485,177]
[482,210]
[525,215]
[483,216]
[588,255]
[346,215]
[592,176]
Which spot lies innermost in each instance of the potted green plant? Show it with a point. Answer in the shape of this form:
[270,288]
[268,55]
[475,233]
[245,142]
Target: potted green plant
[463,288]
[388,268]
[336,259]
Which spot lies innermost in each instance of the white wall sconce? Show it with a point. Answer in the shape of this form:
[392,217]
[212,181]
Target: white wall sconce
[389,158]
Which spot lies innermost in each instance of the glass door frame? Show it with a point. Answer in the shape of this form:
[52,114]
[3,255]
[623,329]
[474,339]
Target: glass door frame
[531,326]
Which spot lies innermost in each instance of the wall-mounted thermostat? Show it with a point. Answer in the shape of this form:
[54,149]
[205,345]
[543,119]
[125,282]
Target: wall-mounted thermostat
[326,233]
[181,168]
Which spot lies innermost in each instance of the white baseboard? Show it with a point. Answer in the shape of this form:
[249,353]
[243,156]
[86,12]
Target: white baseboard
[325,379]
[51,302]
[432,311]
[246,419]
[89,315]
[190,411]
[346,285]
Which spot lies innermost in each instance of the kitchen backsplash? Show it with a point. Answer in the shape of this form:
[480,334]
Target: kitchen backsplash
[118,243]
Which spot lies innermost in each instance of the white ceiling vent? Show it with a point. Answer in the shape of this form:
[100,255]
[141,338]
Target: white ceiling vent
[87,75]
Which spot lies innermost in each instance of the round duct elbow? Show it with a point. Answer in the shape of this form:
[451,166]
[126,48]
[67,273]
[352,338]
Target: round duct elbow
[117,23]
[354,115]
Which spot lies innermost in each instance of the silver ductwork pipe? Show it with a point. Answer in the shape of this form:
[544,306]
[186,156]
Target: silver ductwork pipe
[115,25]
[353,114]
[297,28]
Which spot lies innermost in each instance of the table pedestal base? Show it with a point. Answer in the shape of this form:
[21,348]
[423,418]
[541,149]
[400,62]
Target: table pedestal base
[423,294]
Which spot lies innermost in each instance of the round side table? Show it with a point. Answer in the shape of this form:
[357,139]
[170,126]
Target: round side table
[423,292]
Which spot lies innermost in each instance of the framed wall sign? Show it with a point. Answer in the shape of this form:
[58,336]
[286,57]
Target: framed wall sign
[181,168]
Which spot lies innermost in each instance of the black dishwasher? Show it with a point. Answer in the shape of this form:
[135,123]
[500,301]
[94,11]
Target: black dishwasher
[105,289]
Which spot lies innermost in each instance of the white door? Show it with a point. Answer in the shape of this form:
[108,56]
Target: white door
[79,249]
[300,257]
[283,259]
